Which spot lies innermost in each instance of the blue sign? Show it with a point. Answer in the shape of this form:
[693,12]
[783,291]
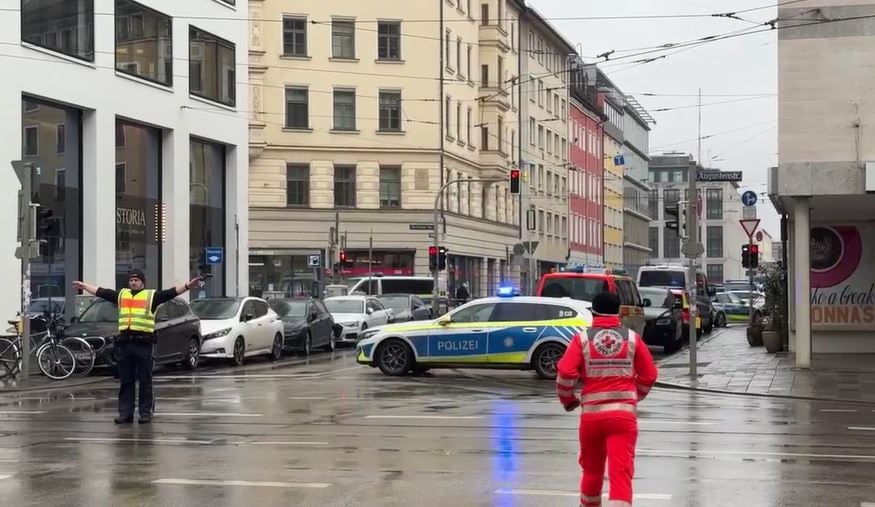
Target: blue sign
[314,260]
[619,160]
[214,254]
[749,198]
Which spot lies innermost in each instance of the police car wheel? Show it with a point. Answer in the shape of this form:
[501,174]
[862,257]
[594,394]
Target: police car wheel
[394,358]
[546,358]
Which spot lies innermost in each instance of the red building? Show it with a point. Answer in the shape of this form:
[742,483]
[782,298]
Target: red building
[585,174]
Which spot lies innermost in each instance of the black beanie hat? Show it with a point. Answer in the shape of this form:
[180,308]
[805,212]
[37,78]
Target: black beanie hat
[606,303]
[137,273]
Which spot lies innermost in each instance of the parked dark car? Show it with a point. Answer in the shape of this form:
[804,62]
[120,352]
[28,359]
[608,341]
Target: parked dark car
[664,318]
[407,307]
[308,324]
[177,332]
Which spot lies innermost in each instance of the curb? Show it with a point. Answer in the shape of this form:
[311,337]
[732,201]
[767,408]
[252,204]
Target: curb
[51,387]
[683,387]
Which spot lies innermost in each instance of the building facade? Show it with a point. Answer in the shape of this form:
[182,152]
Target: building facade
[152,89]
[719,230]
[544,119]
[825,178]
[586,172]
[352,141]
[614,201]
[636,194]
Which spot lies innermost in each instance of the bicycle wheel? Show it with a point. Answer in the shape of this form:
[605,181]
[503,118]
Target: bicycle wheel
[56,361]
[83,353]
[10,359]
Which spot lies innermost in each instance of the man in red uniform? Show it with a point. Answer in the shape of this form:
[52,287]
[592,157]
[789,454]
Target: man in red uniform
[617,371]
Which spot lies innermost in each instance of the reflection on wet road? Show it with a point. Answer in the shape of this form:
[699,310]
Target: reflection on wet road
[328,432]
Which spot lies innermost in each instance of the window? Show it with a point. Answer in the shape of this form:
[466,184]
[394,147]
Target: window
[540,93]
[654,204]
[469,127]
[484,75]
[459,56]
[343,39]
[344,110]
[344,186]
[549,182]
[390,111]
[31,141]
[499,79]
[501,139]
[389,40]
[448,50]
[212,67]
[715,273]
[484,14]
[120,178]
[671,196]
[715,203]
[549,103]
[143,42]
[654,242]
[715,241]
[60,139]
[60,184]
[297,108]
[207,209]
[294,36]
[459,121]
[390,187]
[549,142]
[475,313]
[468,64]
[573,287]
[672,244]
[541,137]
[447,115]
[68,26]
[297,185]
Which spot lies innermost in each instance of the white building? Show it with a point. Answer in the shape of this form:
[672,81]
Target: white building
[130,118]
[719,230]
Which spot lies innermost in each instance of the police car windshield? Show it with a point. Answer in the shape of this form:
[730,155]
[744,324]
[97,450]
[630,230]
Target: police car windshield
[345,305]
[662,279]
[215,309]
[100,311]
[583,289]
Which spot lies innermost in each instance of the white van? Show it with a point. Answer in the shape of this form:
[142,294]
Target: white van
[675,277]
[421,286]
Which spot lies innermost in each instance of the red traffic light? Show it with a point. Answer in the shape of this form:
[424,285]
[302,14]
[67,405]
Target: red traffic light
[514,174]
[754,249]
[432,250]
[343,256]
[514,181]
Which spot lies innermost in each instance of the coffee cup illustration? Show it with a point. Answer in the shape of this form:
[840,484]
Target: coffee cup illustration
[835,254]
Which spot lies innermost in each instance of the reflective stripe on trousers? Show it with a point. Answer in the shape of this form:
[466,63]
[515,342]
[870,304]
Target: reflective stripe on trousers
[590,501]
[606,407]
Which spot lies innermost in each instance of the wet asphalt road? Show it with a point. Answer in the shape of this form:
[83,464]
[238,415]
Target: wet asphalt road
[327,432]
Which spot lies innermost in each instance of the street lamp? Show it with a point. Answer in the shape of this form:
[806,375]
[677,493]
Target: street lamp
[437,198]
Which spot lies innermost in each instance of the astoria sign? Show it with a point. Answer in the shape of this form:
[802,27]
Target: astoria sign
[128,216]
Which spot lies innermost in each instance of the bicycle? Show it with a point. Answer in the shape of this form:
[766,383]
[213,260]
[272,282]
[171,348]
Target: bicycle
[57,359]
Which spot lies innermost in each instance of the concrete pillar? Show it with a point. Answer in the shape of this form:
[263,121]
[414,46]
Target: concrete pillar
[791,286]
[802,276]
[98,197]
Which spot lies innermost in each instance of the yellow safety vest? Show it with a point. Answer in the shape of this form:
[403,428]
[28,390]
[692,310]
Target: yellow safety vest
[135,311]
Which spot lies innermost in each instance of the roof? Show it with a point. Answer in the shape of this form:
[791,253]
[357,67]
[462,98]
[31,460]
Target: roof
[533,14]
[574,303]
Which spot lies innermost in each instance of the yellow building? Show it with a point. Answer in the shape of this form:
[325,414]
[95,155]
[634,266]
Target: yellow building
[613,195]
[360,117]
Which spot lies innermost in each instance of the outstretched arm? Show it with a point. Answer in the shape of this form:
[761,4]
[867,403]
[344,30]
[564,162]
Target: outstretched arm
[166,295]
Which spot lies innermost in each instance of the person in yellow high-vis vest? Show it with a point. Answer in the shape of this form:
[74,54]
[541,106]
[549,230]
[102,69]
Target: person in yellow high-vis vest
[136,341]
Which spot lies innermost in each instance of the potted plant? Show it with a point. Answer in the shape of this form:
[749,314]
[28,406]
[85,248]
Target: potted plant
[776,310]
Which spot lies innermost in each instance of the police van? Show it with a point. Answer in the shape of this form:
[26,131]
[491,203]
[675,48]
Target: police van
[507,332]
[420,286]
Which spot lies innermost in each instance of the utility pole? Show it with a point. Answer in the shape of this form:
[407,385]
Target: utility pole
[370,258]
[28,250]
[692,250]
[437,201]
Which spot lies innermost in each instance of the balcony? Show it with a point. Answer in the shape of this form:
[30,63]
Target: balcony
[495,164]
[495,35]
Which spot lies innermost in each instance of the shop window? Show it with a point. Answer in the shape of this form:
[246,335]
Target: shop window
[207,213]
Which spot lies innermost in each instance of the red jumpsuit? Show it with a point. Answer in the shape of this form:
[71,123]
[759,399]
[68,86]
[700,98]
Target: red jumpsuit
[617,371]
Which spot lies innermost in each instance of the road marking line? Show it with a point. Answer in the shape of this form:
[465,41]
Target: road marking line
[259,484]
[423,417]
[4,477]
[657,452]
[289,443]
[860,428]
[867,504]
[144,440]
[22,412]
[839,410]
[546,492]
[665,421]
[244,376]
[205,414]
[307,398]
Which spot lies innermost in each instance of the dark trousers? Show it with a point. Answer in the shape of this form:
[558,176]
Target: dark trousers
[136,362]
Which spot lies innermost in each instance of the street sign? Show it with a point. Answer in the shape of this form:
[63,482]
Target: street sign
[749,212]
[749,198]
[314,260]
[750,226]
[718,175]
[214,254]
[759,236]
[619,160]
[692,249]
[421,227]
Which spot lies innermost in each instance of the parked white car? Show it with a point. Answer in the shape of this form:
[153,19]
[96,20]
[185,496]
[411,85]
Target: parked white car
[356,314]
[235,329]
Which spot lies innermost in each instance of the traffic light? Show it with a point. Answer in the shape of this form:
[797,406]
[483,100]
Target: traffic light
[343,257]
[676,218]
[442,258]
[432,258]
[750,256]
[514,181]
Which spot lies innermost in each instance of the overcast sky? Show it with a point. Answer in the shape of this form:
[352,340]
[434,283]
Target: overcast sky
[740,66]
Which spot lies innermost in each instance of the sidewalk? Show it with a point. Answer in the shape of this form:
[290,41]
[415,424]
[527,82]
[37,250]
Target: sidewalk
[39,382]
[727,363]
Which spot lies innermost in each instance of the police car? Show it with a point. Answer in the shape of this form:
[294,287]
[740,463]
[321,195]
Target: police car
[498,332]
